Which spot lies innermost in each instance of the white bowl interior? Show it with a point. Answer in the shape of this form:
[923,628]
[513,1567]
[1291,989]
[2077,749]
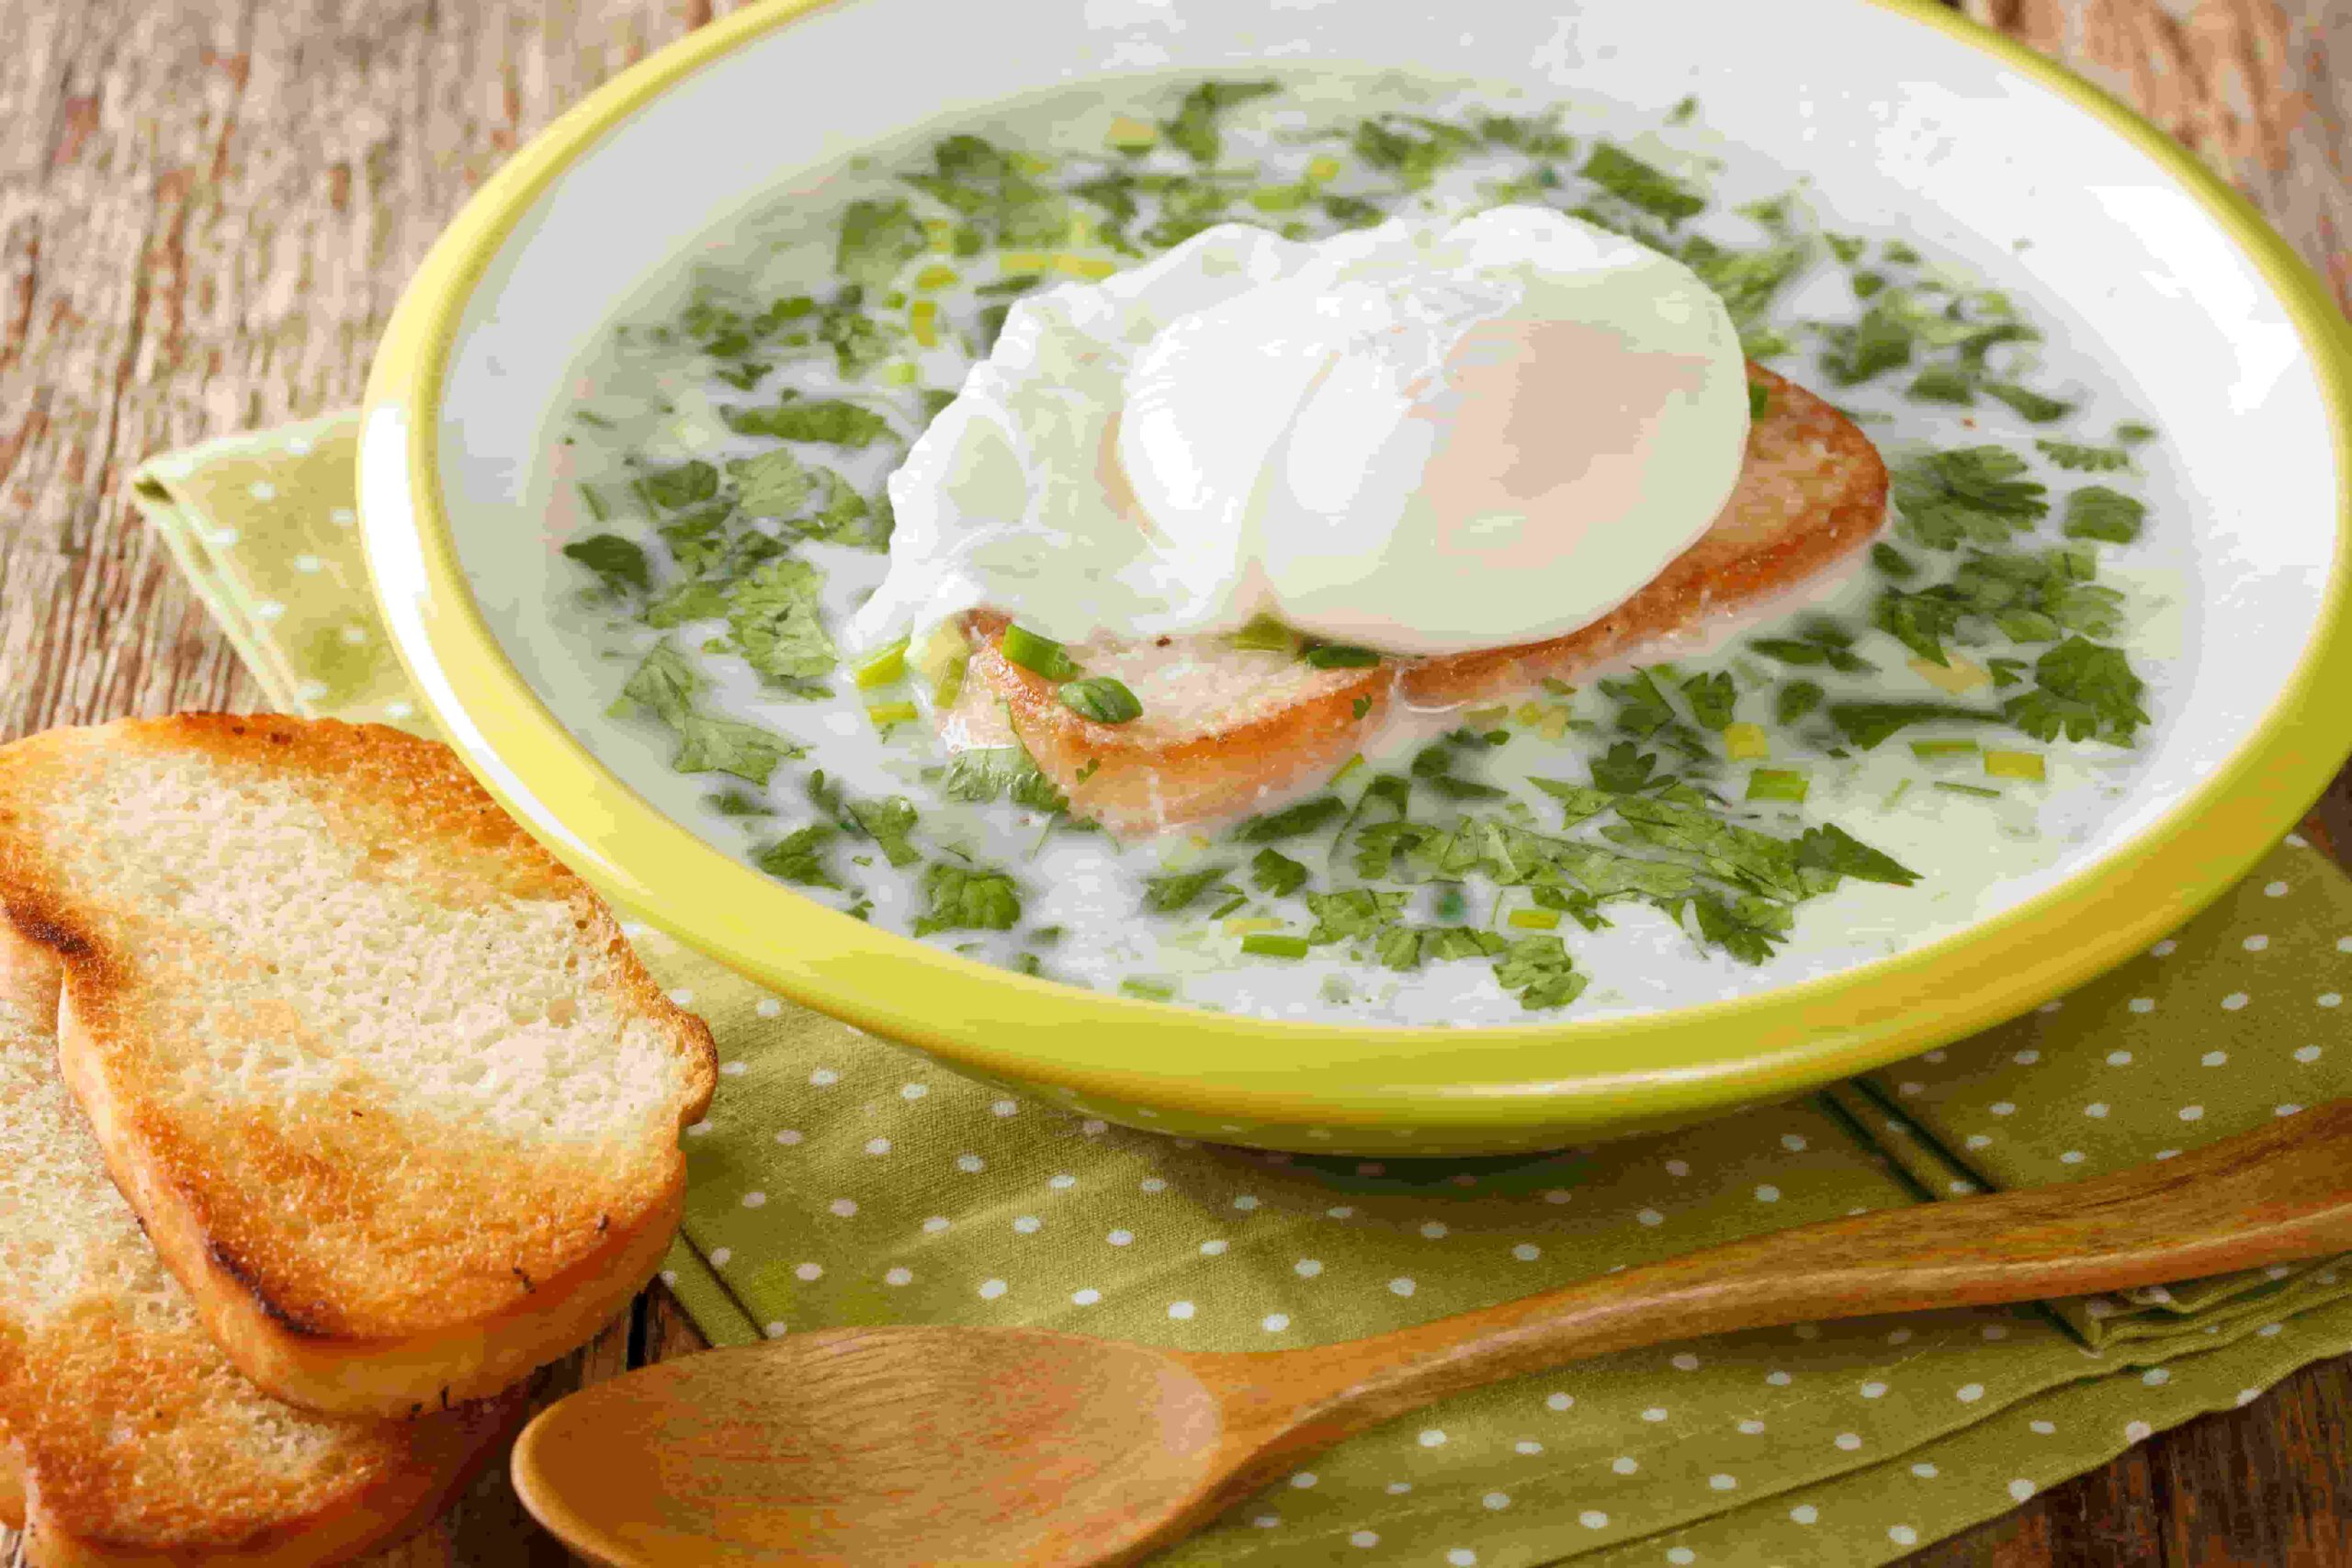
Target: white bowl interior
[1905,130]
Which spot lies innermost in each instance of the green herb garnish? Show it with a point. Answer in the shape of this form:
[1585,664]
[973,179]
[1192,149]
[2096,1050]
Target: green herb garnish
[1102,699]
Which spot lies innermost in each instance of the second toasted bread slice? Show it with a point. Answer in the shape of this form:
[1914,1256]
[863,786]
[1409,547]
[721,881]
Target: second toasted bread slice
[394,1099]
[125,1436]
[1226,731]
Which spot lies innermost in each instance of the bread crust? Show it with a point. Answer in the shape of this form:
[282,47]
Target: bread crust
[87,1498]
[444,1263]
[1812,488]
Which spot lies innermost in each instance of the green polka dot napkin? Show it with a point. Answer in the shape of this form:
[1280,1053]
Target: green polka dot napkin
[839,1179]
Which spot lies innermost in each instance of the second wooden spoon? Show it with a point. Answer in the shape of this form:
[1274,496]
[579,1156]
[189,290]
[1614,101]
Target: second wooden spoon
[971,1446]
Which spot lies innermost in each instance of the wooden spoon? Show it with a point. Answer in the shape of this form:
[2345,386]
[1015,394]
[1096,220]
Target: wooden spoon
[934,1446]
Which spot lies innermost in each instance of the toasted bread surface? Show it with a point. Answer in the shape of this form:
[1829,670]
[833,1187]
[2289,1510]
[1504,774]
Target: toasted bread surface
[1226,732]
[126,1436]
[395,1099]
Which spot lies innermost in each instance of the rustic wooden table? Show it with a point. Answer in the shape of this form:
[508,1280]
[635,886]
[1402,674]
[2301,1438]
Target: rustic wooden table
[208,208]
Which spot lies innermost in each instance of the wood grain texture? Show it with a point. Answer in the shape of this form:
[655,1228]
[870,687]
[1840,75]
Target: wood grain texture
[207,208]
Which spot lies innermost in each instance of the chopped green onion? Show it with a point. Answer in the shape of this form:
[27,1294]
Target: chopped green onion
[1338,656]
[1349,766]
[882,669]
[1534,920]
[1148,990]
[1746,742]
[1041,654]
[1929,750]
[950,684]
[2014,764]
[1265,635]
[1969,789]
[1266,946]
[890,712]
[1776,783]
[1102,699]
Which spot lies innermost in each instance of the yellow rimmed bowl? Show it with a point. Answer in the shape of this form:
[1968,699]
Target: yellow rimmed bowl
[1916,123]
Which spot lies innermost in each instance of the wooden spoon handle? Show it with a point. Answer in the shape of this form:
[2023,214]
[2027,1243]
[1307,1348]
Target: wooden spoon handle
[2282,1192]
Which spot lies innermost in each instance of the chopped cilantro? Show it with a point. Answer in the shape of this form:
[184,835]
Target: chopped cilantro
[1973,493]
[1290,823]
[738,803]
[696,599]
[1831,848]
[1796,699]
[2084,691]
[775,623]
[1193,131]
[889,823]
[876,239]
[827,419]
[1712,698]
[1861,351]
[1749,928]
[709,745]
[1354,913]
[774,484]
[800,856]
[996,772]
[1867,723]
[1641,184]
[1168,895]
[1410,147]
[673,487]
[1893,562]
[2029,404]
[958,899]
[1577,801]
[664,684]
[619,563]
[2086,459]
[1540,971]
[1625,769]
[1276,875]
[2096,512]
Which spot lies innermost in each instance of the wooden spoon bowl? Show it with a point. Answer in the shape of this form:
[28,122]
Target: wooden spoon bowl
[918,1446]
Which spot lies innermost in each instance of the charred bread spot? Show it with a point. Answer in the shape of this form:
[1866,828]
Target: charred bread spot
[275,1311]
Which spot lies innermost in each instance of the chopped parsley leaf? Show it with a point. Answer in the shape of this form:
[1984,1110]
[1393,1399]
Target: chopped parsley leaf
[1971,495]
[1291,822]
[1867,723]
[2085,459]
[2084,691]
[827,419]
[1641,184]
[1193,130]
[2096,512]
[1168,895]
[775,623]
[618,563]
[1831,848]
[1538,970]
[958,899]
[800,857]
[1276,875]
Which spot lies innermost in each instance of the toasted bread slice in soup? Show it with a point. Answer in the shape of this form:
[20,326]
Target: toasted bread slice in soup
[396,1101]
[1226,732]
[126,1436]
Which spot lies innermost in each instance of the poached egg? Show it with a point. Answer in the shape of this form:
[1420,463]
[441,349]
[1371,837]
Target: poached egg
[1422,438]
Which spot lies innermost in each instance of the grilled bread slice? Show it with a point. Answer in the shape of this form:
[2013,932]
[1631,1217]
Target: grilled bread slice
[395,1101]
[1226,732]
[126,1436]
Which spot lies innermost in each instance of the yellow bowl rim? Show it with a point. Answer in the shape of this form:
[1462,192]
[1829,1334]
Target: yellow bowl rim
[1643,1069]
